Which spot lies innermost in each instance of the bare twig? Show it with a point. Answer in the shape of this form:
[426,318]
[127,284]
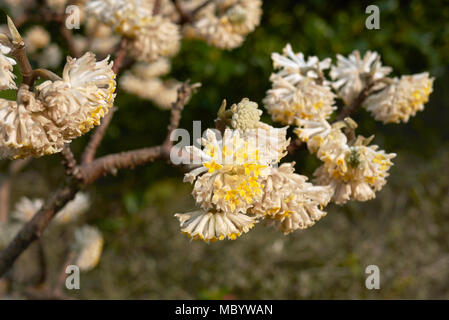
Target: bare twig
[200,7]
[42,262]
[69,162]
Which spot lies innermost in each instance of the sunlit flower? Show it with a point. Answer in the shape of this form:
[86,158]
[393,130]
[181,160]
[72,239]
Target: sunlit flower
[225,23]
[294,67]
[352,74]
[356,173]
[160,37]
[212,226]
[24,130]
[402,99]
[290,201]
[305,100]
[88,247]
[6,67]
[26,208]
[85,94]
[313,132]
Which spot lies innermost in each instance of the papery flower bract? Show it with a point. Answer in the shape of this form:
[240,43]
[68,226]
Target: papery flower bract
[290,201]
[351,74]
[402,99]
[213,226]
[85,94]
[88,247]
[6,67]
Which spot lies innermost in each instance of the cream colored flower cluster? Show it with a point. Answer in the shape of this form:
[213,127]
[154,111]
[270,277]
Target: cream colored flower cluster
[353,169]
[40,122]
[299,88]
[88,247]
[401,99]
[145,82]
[152,36]
[237,182]
[225,23]
[6,67]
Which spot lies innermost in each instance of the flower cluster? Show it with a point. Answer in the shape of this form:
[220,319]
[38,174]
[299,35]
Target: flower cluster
[40,122]
[237,182]
[151,36]
[225,23]
[353,169]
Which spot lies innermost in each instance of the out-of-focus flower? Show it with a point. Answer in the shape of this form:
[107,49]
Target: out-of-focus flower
[24,131]
[225,23]
[355,172]
[57,5]
[6,67]
[160,37]
[151,35]
[352,74]
[401,99]
[213,226]
[73,209]
[26,208]
[36,38]
[290,201]
[305,100]
[88,247]
[85,94]
[50,57]
[143,81]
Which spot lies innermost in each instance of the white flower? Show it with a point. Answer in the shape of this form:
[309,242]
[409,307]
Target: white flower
[213,226]
[160,37]
[88,247]
[26,208]
[226,23]
[85,94]
[229,177]
[127,17]
[24,130]
[295,68]
[305,100]
[351,74]
[6,67]
[245,115]
[143,81]
[73,209]
[291,201]
[313,132]
[357,172]
[401,99]
[36,38]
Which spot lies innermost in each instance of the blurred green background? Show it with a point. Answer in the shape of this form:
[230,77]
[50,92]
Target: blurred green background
[404,230]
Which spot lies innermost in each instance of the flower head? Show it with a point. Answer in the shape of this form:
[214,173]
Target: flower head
[6,67]
[352,74]
[26,208]
[401,99]
[88,247]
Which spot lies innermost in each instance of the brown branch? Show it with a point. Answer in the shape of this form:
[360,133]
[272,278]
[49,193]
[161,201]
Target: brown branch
[156,7]
[200,7]
[21,57]
[185,17]
[42,262]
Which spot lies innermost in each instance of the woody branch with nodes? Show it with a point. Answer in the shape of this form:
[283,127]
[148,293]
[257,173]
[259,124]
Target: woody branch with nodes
[238,178]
